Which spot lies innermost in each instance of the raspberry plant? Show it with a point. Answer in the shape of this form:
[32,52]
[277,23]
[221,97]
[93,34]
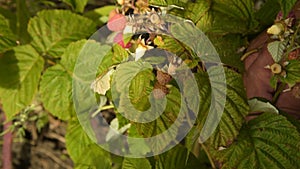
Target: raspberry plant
[39,49]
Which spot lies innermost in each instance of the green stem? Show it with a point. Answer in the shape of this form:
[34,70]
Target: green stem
[248,54]
[103,108]
[107,107]
[278,91]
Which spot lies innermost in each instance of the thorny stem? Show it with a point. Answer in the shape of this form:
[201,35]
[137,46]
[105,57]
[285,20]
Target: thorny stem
[7,145]
[208,155]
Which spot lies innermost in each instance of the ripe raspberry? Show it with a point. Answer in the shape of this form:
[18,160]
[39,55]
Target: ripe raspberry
[117,22]
[119,39]
[294,54]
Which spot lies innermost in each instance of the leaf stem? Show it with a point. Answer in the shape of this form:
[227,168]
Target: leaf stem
[107,107]
[103,108]
[208,155]
[278,91]
[248,54]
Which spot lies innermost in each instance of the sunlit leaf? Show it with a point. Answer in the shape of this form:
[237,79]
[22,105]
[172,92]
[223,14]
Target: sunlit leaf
[53,30]
[20,71]
[56,92]
[83,151]
[56,83]
[136,163]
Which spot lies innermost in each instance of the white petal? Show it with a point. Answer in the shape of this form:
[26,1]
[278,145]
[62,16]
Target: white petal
[172,69]
[139,52]
[128,29]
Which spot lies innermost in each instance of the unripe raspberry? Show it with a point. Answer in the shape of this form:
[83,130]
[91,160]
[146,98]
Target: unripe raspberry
[296,91]
[117,22]
[276,68]
[294,54]
[160,91]
[163,78]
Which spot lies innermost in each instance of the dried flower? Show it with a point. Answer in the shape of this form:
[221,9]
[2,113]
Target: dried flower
[276,29]
[276,68]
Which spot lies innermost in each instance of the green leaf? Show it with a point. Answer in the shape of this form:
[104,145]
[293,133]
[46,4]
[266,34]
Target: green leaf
[23,16]
[83,151]
[179,3]
[77,5]
[286,6]
[53,30]
[11,17]
[268,141]
[195,11]
[7,38]
[56,83]
[267,13]
[274,82]
[276,49]
[232,115]
[120,89]
[76,139]
[56,92]
[126,72]
[291,119]
[229,55]
[116,56]
[20,71]
[136,163]
[189,35]
[140,88]
[175,104]
[136,147]
[292,73]
[226,16]
[177,158]
[261,106]
[176,47]
[100,15]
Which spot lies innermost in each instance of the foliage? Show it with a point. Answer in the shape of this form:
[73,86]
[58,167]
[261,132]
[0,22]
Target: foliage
[40,66]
